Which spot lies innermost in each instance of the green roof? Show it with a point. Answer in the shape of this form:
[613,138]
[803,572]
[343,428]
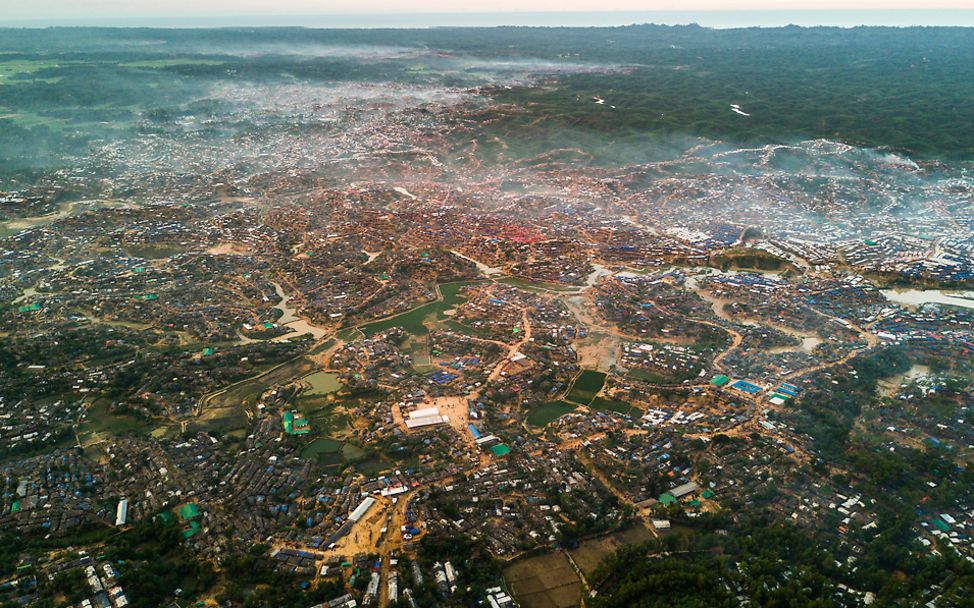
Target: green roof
[941,524]
[295,425]
[719,380]
[191,530]
[708,494]
[209,350]
[30,307]
[667,499]
[500,450]
[15,508]
[189,511]
[301,427]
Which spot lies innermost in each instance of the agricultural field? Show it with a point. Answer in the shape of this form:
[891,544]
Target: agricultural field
[590,553]
[544,581]
[613,405]
[541,415]
[588,384]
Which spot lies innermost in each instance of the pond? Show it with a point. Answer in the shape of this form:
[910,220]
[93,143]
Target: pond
[322,383]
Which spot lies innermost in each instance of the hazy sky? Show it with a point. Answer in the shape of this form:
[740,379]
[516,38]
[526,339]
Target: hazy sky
[106,11]
[39,9]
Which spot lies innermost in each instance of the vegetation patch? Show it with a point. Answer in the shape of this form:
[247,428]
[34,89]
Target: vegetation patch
[586,387]
[541,415]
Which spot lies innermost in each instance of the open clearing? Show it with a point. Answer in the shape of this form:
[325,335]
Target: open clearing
[588,554]
[544,581]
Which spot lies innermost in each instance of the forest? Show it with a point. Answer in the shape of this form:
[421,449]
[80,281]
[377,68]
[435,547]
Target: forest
[777,566]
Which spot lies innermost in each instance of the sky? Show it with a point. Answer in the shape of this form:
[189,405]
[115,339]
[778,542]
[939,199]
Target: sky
[895,12]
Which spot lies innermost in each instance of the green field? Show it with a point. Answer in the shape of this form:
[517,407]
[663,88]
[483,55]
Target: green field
[321,445]
[328,452]
[611,405]
[541,415]
[656,378]
[327,416]
[590,553]
[100,421]
[225,412]
[415,320]
[246,393]
[586,387]
[19,69]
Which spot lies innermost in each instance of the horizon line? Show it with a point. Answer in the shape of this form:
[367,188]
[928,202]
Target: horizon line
[732,18]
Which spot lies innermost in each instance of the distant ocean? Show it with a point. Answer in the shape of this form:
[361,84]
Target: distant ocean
[714,19]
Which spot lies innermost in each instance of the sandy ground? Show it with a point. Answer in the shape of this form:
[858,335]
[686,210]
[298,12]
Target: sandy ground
[228,249]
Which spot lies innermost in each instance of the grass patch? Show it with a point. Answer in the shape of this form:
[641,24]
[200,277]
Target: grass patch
[18,68]
[326,417]
[460,328]
[321,445]
[541,415]
[100,420]
[415,321]
[586,387]
[590,553]
[246,393]
[611,405]
[655,378]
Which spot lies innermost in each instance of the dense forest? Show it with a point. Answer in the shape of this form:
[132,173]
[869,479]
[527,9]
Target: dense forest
[774,565]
